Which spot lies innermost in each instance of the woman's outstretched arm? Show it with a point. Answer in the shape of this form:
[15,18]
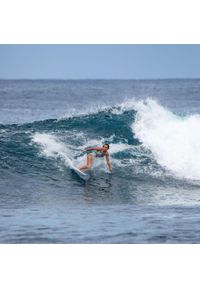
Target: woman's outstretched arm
[94,148]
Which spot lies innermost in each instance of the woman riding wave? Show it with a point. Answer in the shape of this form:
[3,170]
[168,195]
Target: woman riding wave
[96,152]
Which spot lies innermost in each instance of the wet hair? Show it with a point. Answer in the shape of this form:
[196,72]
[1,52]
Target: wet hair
[106,145]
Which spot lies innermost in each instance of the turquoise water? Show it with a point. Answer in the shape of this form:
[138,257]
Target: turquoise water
[153,194]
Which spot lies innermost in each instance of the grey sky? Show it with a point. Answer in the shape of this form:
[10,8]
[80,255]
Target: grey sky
[99,61]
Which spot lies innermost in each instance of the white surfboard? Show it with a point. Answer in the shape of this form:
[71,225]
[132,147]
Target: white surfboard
[81,174]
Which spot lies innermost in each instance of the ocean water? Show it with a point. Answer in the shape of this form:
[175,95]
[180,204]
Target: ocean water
[153,194]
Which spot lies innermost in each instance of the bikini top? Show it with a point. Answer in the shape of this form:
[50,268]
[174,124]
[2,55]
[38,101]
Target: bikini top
[98,153]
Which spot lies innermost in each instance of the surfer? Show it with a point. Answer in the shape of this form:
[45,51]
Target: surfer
[96,152]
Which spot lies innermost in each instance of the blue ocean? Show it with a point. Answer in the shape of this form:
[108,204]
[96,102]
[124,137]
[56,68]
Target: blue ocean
[153,128]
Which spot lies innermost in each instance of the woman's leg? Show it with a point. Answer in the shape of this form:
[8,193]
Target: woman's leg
[88,165]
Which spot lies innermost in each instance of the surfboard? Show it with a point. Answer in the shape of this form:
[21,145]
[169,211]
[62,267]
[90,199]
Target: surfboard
[81,174]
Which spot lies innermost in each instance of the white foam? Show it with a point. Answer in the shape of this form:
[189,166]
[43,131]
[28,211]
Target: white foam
[174,141]
[2,131]
[51,146]
[119,147]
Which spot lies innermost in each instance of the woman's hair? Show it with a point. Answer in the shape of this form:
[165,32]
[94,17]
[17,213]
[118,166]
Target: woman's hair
[106,145]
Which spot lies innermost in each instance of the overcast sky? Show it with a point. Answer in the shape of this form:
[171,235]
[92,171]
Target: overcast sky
[99,61]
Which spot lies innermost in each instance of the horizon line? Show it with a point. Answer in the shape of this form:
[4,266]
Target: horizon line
[86,79]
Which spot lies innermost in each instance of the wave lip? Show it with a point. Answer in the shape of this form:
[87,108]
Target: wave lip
[173,140]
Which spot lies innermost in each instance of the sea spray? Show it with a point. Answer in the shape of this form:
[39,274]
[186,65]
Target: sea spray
[173,140]
[51,147]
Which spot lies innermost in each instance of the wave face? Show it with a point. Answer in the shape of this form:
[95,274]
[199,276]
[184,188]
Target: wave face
[65,138]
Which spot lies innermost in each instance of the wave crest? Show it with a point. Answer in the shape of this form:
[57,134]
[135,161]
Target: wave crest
[173,140]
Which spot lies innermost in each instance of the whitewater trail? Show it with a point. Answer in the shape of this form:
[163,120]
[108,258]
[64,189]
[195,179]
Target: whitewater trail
[52,147]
